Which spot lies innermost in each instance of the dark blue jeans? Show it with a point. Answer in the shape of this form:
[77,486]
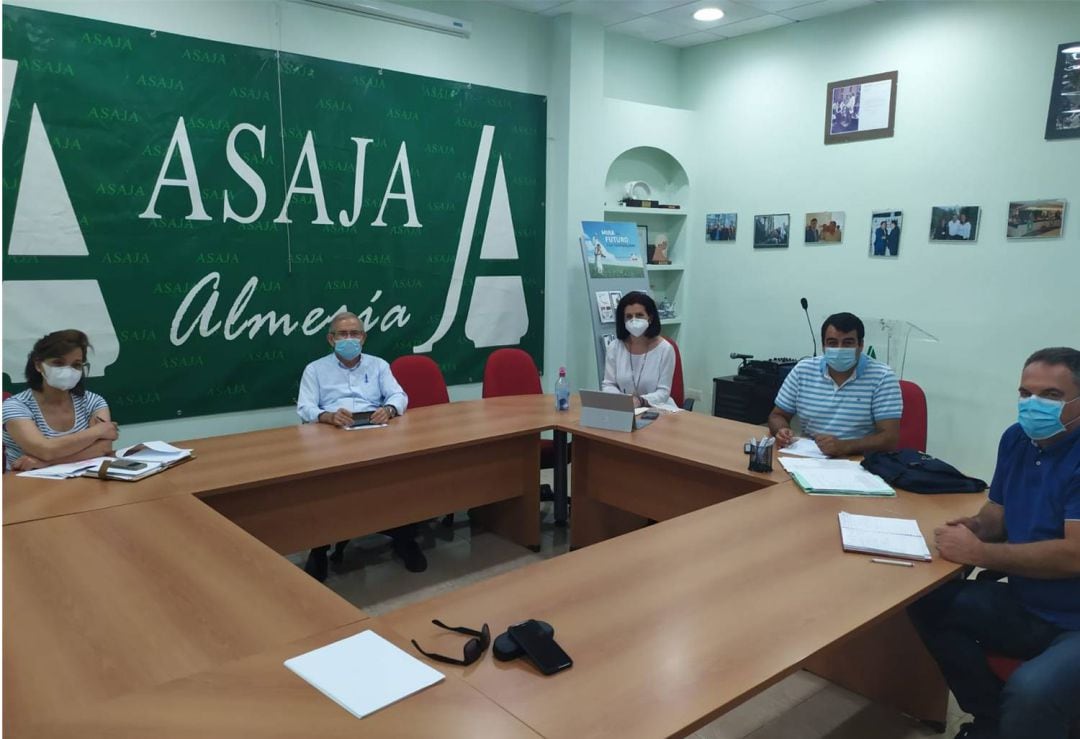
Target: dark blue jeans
[962,619]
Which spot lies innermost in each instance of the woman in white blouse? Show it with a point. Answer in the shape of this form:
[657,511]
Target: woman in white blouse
[641,363]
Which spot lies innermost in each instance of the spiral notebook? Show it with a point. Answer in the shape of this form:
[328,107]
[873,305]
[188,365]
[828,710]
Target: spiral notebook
[891,537]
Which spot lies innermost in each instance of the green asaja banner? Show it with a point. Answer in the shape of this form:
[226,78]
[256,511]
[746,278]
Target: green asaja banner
[202,210]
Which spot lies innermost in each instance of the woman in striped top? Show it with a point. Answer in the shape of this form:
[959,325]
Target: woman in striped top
[56,420]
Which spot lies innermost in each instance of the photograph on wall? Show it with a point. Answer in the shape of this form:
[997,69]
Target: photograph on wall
[612,250]
[1036,219]
[860,108]
[604,306]
[885,228]
[1063,117]
[824,227]
[954,223]
[721,226]
[659,252]
[772,231]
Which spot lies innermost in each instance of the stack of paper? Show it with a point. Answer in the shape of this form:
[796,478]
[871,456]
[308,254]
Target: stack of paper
[893,537]
[156,455]
[363,673]
[835,477]
[63,471]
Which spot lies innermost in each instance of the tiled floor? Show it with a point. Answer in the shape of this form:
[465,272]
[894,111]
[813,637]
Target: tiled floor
[803,706]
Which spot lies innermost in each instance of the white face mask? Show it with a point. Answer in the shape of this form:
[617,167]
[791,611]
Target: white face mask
[637,326]
[61,378]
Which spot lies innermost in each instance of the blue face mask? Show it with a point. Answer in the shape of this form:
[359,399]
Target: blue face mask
[1040,418]
[348,349]
[840,359]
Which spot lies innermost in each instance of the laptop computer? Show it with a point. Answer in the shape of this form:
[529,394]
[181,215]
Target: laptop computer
[610,411]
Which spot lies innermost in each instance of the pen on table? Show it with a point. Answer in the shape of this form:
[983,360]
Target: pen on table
[897,562]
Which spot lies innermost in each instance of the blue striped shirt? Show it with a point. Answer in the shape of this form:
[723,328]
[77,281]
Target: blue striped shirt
[25,405]
[848,411]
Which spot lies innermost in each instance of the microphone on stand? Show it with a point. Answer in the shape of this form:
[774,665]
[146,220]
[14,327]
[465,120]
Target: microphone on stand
[813,336]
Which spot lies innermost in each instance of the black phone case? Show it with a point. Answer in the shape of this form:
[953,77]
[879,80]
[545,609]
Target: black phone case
[545,668]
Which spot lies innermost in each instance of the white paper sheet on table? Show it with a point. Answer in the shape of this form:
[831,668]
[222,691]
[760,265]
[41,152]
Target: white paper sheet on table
[363,673]
[803,447]
[155,451]
[368,426]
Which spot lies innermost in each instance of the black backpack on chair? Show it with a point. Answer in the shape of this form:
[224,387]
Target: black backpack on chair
[920,473]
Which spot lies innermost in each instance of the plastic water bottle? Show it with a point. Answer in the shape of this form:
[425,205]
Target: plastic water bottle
[562,391]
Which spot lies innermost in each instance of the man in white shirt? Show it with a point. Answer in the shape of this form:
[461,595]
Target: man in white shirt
[334,388]
[954,227]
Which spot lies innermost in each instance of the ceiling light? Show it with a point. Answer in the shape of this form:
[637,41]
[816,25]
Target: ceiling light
[708,14]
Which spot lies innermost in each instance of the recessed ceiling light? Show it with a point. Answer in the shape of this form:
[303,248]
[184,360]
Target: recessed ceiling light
[708,14]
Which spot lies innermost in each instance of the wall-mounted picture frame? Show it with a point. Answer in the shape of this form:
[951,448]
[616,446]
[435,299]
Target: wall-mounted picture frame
[1063,117]
[1035,219]
[721,226]
[954,223]
[772,231]
[885,229]
[824,227]
[860,108]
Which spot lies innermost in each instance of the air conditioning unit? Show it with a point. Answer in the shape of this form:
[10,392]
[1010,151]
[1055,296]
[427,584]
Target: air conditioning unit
[399,14]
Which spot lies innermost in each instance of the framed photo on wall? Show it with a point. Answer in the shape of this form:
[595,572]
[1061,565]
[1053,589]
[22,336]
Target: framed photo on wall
[1035,219]
[885,228]
[772,231]
[1063,118]
[824,227]
[860,108]
[721,226]
[954,223]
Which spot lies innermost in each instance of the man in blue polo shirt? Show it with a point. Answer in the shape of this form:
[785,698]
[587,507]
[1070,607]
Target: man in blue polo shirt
[847,402]
[1030,530]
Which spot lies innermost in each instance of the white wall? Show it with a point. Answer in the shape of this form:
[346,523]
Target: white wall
[508,49]
[641,71]
[974,85]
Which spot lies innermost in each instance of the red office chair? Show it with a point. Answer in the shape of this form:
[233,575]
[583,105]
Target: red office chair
[913,418]
[513,372]
[678,395]
[421,379]
[510,372]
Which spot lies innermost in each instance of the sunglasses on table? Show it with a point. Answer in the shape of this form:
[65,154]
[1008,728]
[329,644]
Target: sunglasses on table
[474,648]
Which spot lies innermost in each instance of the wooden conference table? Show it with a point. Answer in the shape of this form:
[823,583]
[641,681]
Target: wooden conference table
[132,608]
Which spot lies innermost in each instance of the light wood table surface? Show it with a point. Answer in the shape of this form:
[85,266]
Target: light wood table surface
[305,485]
[679,463]
[140,609]
[103,603]
[258,696]
[674,624]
